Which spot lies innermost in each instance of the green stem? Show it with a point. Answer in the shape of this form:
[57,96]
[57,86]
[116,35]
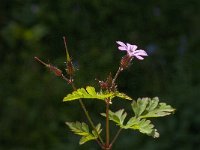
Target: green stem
[91,122]
[88,117]
[116,136]
[70,81]
[101,143]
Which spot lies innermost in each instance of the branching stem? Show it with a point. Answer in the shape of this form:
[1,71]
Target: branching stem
[108,145]
[89,118]
[101,143]
[116,136]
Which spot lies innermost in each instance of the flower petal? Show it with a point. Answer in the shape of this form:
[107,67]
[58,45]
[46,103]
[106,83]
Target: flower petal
[122,48]
[131,48]
[139,57]
[140,52]
[121,43]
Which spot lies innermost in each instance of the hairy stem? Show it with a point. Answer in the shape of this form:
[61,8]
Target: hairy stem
[116,75]
[36,58]
[108,145]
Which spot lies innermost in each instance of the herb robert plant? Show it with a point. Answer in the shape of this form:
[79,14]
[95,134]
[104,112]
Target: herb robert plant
[143,109]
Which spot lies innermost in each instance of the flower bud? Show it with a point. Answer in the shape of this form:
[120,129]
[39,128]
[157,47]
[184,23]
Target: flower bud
[108,84]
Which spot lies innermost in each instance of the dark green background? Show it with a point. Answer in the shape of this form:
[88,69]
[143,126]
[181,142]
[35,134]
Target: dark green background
[32,113]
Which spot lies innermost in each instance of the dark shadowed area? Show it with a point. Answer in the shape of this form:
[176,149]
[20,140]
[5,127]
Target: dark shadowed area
[32,114]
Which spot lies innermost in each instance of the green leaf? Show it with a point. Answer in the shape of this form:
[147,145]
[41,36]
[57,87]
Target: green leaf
[122,95]
[98,129]
[143,125]
[146,108]
[143,108]
[78,128]
[139,106]
[90,92]
[118,116]
[82,129]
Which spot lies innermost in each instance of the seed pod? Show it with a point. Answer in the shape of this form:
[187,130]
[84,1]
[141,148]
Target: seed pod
[70,68]
[56,71]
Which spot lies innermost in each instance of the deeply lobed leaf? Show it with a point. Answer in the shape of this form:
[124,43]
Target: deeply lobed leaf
[118,116]
[142,108]
[82,129]
[90,92]
[143,125]
[146,108]
[122,95]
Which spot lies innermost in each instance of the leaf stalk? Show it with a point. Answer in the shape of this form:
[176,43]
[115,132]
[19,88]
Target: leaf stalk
[88,117]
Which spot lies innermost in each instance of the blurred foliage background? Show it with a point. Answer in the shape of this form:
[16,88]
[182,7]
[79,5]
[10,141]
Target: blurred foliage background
[32,114]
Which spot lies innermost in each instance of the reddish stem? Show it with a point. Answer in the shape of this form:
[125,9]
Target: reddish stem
[107,146]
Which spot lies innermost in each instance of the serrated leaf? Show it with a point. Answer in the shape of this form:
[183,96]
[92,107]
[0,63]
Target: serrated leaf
[82,129]
[143,108]
[152,104]
[85,127]
[139,106]
[118,116]
[98,129]
[90,92]
[143,125]
[86,139]
[122,95]
[146,107]
[78,128]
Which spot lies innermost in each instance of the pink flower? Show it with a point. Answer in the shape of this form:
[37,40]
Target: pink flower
[131,50]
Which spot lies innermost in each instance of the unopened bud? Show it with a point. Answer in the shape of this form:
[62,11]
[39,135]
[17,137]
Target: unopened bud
[108,85]
[103,85]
